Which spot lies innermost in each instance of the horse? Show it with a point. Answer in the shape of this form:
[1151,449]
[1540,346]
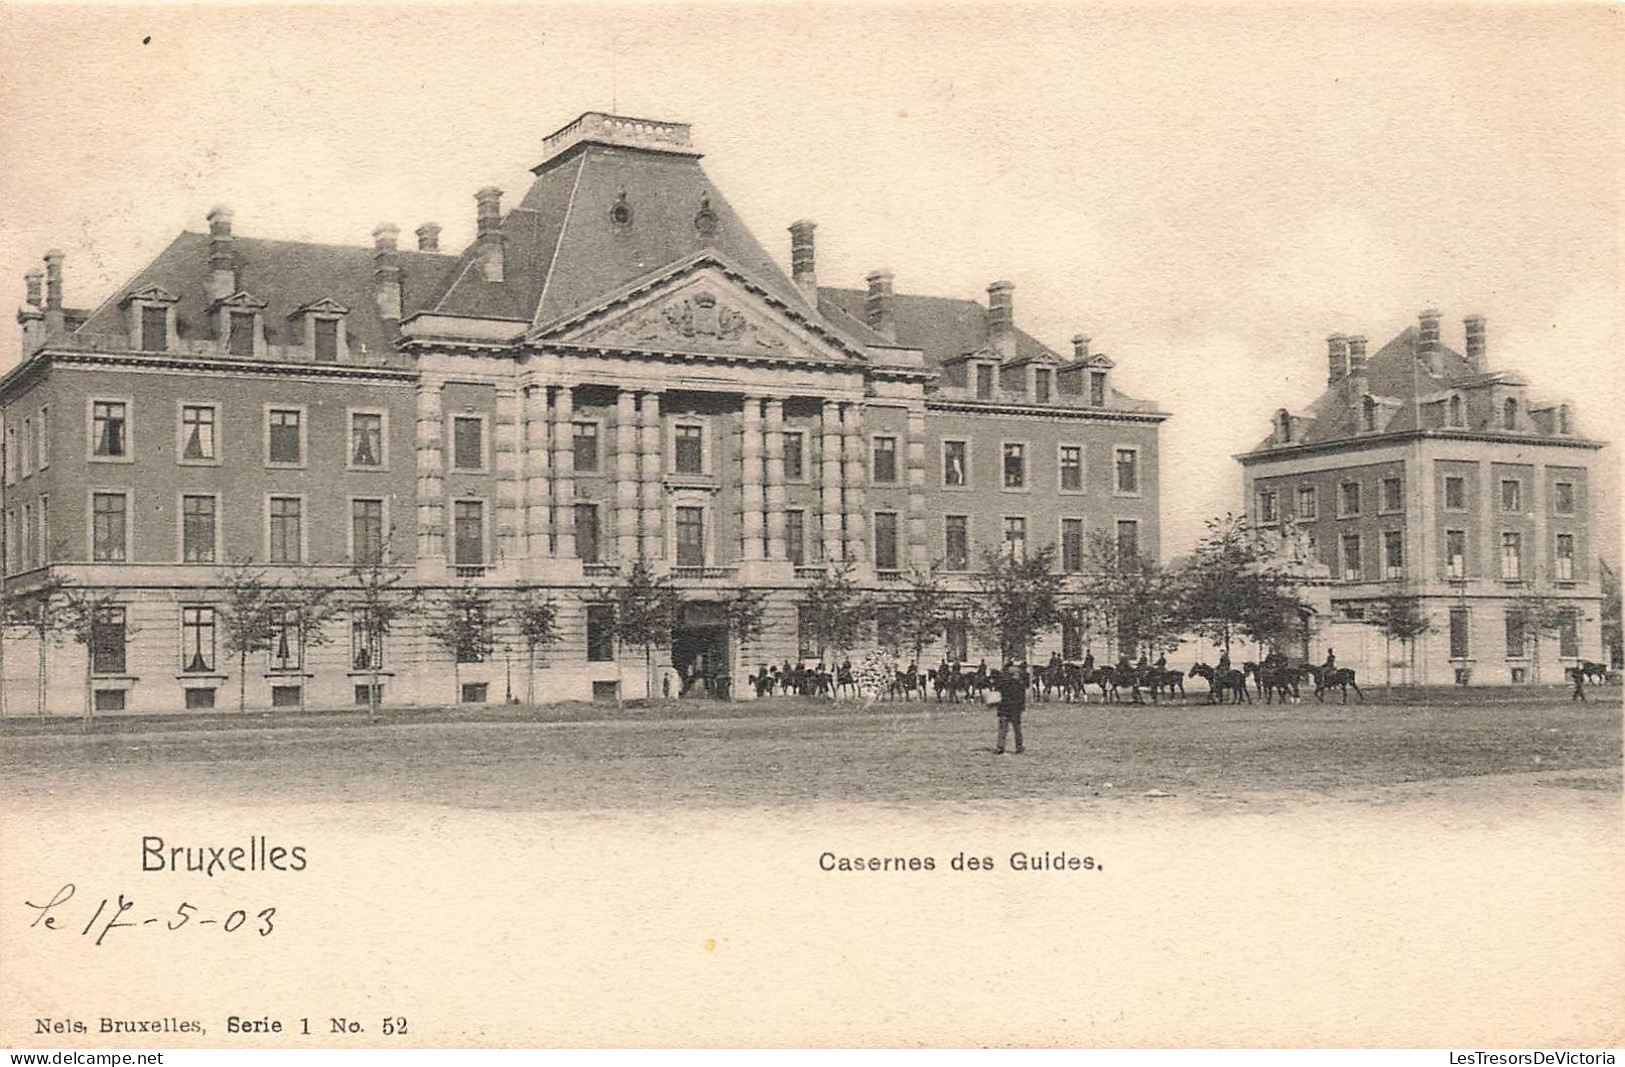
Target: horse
[1336,678]
[1593,670]
[1160,680]
[907,682]
[1275,680]
[1221,682]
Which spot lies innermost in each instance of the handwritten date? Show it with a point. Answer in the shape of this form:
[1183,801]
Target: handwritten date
[110,915]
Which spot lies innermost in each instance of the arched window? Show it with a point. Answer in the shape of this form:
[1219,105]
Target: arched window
[1283,426]
[1509,414]
[1368,414]
[1456,417]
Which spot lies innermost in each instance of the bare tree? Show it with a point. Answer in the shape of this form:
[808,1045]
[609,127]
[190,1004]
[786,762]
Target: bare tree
[379,600]
[465,620]
[94,618]
[245,619]
[536,617]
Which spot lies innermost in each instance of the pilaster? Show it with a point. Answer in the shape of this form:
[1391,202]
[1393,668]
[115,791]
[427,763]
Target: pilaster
[919,543]
[857,546]
[778,495]
[627,484]
[431,487]
[750,480]
[654,490]
[829,481]
[564,474]
[538,470]
[506,440]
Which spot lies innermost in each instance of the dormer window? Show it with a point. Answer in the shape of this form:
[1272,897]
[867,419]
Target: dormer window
[1455,415]
[151,312]
[1097,388]
[321,328]
[1041,384]
[984,381]
[1368,415]
[237,323]
[1283,427]
[325,340]
[1509,414]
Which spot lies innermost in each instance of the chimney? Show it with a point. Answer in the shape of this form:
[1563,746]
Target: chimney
[32,281]
[1337,358]
[1475,343]
[222,263]
[877,310]
[1001,325]
[803,261]
[489,239]
[30,315]
[386,274]
[1080,347]
[1359,372]
[54,320]
[429,237]
[1427,341]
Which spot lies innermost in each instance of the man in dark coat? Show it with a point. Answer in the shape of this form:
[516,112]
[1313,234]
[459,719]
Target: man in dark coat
[1012,686]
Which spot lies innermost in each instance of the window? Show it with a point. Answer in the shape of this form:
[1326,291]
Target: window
[884,470]
[468,443]
[198,444]
[366,640]
[689,453]
[1511,494]
[45,529]
[1511,555]
[13,561]
[476,692]
[107,641]
[109,429]
[984,381]
[1071,545]
[1393,494]
[955,635]
[44,440]
[1351,557]
[287,521]
[1308,504]
[1459,647]
[1071,477]
[806,643]
[240,341]
[28,447]
[286,696]
[1564,570]
[955,463]
[795,536]
[1393,553]
[283,651]
[1268,509]
[154,329]
[600,633]
[366,643]
[690,532]
[795,456]
[1568,635]
[472,638]
[1041,385]
[198,529]
[366,439]
[1128,539]
[369,695]
[366,531]
[1015,465]
[888,627]
[1455,493]
[1368,415]
[197,640]
[30,555]
[109,529]
[1097,389]
[285,444]
[13,455]
[1455,553]
[468,533]
[326,334]
[1015,536]
[587,533]
[956,542]
[1456,417]
[1509,415]
[586,446]
[1348,499]
[1071,640]
[886,540]
[1515,635]
[1563,498]
[1128,470]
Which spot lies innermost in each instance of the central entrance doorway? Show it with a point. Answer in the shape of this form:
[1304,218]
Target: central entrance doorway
[699,651]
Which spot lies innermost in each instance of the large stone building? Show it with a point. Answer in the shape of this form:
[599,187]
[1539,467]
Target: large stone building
[615,368]
[1429,473]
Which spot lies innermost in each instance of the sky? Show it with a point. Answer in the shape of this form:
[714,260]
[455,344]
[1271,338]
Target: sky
[1207,192]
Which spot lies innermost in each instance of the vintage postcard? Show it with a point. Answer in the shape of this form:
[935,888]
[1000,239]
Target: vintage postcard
[731,525]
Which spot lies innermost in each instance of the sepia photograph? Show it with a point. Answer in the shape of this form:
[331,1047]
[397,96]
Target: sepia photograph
[710,525]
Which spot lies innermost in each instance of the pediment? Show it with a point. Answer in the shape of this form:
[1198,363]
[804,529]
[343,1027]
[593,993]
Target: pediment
[152,294]
[708,310]
[240,299]
[324,306]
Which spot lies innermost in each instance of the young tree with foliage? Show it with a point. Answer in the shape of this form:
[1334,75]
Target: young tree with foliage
[837,611]
[244,618]
[308,607]
[1234,586]
[1020,600]
[40,609]
[1399,618]
[536,618]
[465,621]
[1541,617]
[746,614]
[1611,635]
[923,609]
[378,600]
[83,614]
[1133,599]
[646,606]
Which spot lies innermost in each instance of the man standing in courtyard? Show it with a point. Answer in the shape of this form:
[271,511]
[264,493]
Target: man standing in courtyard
[1012,686]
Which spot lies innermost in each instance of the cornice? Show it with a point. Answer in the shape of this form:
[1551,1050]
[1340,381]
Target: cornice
[975,407]
[153,361]
[1365,442]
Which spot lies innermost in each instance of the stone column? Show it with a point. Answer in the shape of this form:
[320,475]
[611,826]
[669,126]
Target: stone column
[777,495]
[919,540]
[538,482]
[626,476]
[564,474]
[654,486]
[829,481]
[509,525]
[431,472]
[750,478]
[856,512]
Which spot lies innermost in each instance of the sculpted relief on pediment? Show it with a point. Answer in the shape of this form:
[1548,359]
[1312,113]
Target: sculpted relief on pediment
[697,320]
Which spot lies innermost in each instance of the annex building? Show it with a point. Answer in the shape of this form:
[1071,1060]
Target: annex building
[1427,473]
[615,368]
